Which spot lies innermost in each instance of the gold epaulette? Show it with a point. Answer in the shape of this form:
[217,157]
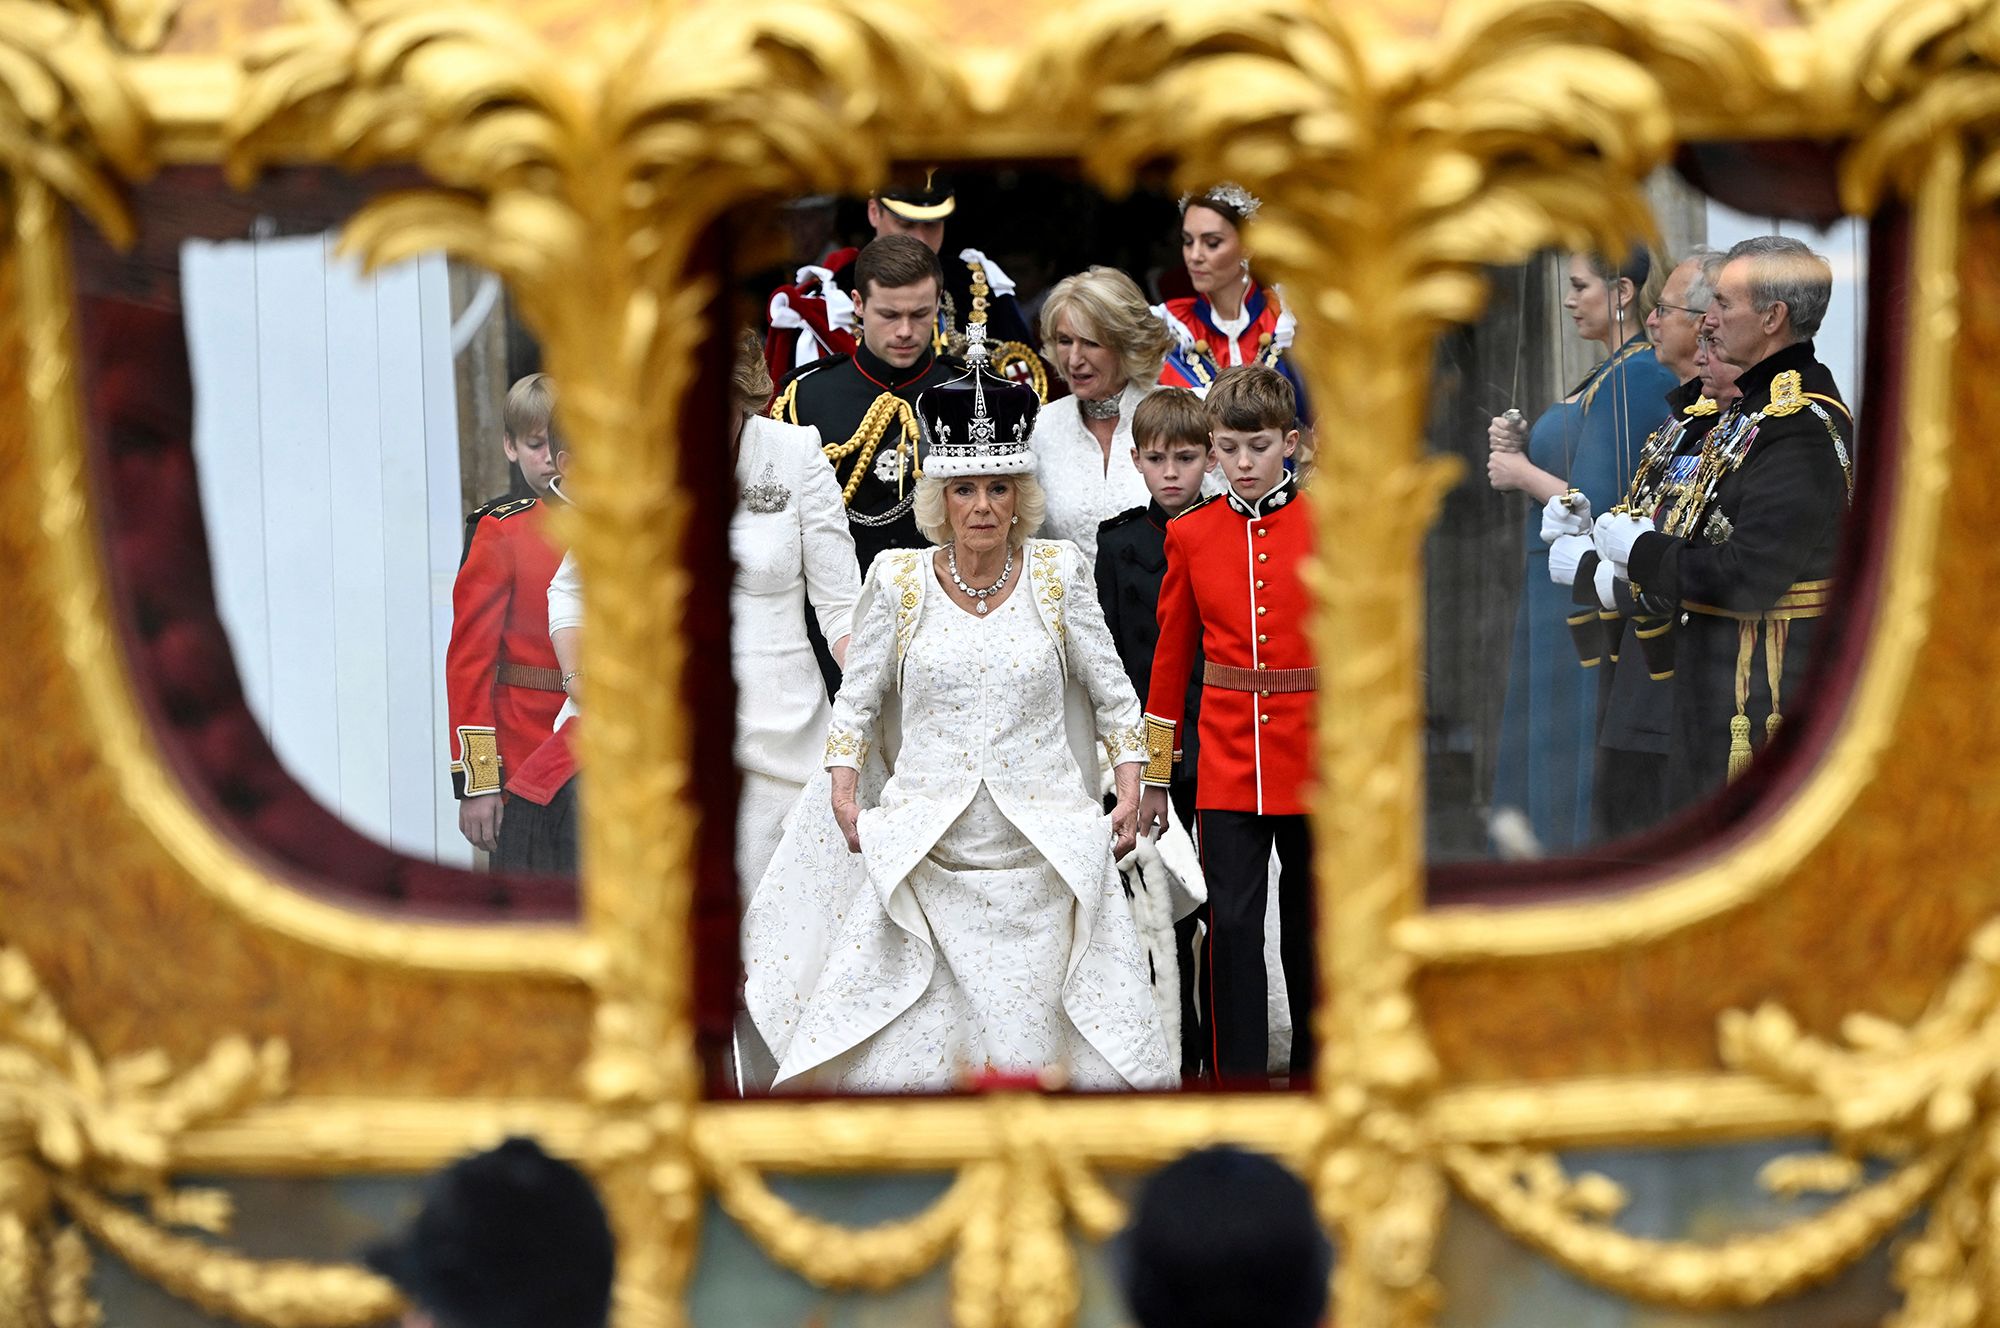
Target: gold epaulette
[1702,406]
[1788,395]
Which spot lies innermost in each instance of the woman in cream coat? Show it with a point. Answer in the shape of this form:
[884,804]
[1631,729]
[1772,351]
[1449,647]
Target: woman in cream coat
[789,541]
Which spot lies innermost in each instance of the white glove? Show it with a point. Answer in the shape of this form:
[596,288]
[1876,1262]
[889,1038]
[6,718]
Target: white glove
[1564,555]
[1558,520]
[1615,534]
[1605,577]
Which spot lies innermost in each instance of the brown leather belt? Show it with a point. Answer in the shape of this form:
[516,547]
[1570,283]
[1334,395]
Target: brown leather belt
[526,675]
[1260,680]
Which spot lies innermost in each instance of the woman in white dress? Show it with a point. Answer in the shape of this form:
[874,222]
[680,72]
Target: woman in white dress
[1107,345]
[789,540]
[945,904]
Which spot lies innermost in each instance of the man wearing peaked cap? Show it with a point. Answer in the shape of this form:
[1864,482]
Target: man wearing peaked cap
[815,317]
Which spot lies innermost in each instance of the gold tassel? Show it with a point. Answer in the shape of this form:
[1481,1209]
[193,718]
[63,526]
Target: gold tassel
[1739,727]
[1739,745]
[1771,722]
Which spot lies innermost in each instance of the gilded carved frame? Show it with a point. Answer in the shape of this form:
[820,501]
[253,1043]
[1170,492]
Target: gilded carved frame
[1399,148]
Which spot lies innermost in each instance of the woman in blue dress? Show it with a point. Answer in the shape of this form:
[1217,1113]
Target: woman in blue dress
[1583,446]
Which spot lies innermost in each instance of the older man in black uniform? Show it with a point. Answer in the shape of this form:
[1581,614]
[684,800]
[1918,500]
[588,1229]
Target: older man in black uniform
[863,404]
[1633,642]
[1747,551]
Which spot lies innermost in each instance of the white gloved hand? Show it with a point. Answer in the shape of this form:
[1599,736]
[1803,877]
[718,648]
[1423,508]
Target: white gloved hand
[1615,534]
[1559,520]
[1605,577]
[1564,555]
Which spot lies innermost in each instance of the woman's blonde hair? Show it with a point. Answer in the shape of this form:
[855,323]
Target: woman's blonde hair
[1031,504]
[1647,272]
[750,377]
[1106,306]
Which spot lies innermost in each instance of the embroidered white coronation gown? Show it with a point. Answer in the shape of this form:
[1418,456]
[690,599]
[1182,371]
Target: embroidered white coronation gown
[983,927]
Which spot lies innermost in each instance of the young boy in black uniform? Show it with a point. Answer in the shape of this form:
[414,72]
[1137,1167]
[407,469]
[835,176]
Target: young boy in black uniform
[1171,449]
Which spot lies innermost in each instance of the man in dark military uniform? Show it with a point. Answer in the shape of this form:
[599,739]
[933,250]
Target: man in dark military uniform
[1631,643]
[1745,554]
[814,318]
[864,404]
[1171,449]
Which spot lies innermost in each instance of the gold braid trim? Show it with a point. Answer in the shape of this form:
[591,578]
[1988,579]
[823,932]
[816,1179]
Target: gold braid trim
[843,1258]
[279,1293]
[786,407]
[868,438]
[1159,770]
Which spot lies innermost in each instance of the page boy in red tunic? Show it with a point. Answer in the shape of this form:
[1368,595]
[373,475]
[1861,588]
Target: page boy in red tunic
[1233,592]
[502,686]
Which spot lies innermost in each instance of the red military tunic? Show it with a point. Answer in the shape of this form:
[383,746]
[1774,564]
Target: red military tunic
[1233,590]
[500,616]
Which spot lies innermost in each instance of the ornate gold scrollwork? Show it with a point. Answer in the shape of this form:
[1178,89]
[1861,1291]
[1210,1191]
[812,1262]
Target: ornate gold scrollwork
[1396,161]
[75,1130]
[69,115]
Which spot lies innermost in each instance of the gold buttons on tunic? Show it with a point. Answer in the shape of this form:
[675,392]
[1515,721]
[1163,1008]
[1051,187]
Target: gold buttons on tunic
[1264,719]
[1261,532]
[1263,557]
[1260,663]
[1262,639]
[1261,610]
[1260,584]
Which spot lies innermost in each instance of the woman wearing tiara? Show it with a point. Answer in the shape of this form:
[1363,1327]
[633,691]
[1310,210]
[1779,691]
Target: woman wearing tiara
[1230,319]
[945,904]
[1577,460]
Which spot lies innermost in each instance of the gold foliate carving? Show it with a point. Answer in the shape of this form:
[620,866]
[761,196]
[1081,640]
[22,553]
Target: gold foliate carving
[139,24]
[839,1258]
[1742,1271]
[75,1130]
[1397,157]
[1934,69]
[69,114]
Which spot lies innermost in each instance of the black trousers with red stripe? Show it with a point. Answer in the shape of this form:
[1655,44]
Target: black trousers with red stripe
[1236,859]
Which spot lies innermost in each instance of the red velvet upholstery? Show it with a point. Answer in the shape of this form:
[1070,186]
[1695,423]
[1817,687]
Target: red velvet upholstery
[139,404]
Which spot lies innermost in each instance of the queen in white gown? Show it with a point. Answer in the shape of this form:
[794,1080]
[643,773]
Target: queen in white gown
[981,927]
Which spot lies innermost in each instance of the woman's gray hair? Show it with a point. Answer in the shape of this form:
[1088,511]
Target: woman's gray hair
[1031,504]
[1107,306]
[1701,291]
[1782,268]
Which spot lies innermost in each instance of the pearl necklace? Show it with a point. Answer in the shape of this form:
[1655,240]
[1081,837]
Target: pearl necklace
[977,596]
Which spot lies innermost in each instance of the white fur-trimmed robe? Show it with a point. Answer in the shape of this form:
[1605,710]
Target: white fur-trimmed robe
[843,973]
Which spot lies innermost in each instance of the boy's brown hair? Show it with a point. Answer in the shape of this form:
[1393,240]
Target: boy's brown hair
[1250,398]
[530,407]
[1169,415]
